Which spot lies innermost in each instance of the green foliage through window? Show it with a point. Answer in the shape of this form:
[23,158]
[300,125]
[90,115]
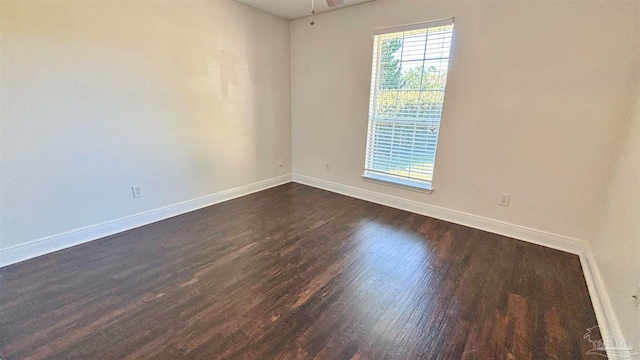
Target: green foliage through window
[407,99]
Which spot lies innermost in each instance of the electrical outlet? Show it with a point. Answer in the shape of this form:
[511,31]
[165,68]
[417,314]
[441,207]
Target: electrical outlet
[279,161]
[504,199]
[137,191]
[327,167]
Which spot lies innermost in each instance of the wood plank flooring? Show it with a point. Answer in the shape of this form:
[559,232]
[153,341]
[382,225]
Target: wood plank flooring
[296,272]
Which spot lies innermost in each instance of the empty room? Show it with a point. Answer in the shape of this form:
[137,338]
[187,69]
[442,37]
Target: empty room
[320,179]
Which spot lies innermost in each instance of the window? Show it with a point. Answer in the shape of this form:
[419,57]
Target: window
[408,79]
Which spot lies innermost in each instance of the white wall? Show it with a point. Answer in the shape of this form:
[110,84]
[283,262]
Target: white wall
[185,98]
[617,248]
[536,94]
[191,98]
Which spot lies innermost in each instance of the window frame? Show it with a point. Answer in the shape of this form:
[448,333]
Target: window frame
[400,181]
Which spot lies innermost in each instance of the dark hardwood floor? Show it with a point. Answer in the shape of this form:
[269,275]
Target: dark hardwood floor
[296,272]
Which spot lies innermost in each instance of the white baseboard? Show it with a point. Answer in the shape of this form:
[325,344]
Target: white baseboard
[599,298]
[38,247]
[539,237]
[607,319]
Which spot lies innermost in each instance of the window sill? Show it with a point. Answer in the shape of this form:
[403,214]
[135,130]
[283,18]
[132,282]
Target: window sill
[402,183]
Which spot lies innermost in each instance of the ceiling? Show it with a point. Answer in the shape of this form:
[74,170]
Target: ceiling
[295,9]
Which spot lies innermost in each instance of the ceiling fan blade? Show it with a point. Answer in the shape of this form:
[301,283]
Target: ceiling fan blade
[332,3]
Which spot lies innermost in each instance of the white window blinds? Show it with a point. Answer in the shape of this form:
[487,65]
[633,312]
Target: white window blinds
[408,79]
